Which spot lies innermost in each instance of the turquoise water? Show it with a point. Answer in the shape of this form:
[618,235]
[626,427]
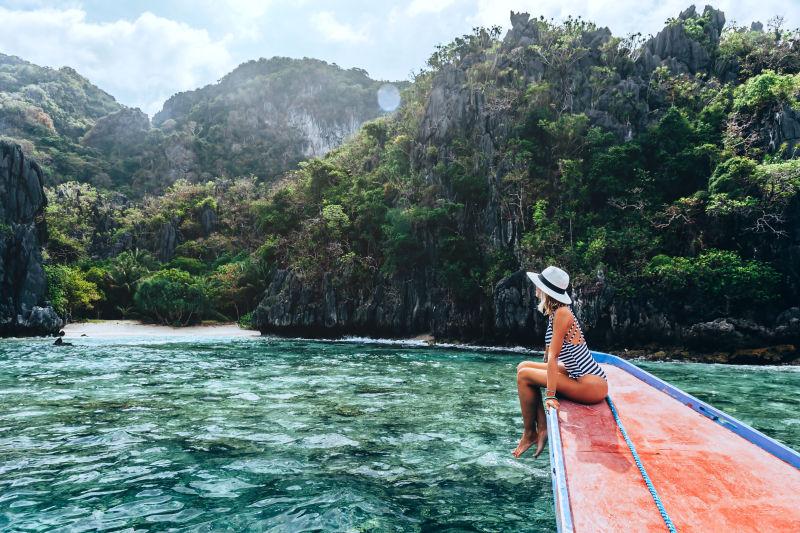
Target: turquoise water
[289,435]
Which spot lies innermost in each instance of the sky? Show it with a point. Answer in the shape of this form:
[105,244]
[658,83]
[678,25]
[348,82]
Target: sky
[142,52]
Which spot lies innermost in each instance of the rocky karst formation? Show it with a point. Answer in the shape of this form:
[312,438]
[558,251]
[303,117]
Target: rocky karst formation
[636,323]
[264,117]
[125,129]
[459,109]
[396,307]
[23,286]
[37,100]
[260,119]
[401,308]
[675,49]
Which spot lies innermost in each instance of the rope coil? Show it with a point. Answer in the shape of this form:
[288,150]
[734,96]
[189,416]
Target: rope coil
[648,482]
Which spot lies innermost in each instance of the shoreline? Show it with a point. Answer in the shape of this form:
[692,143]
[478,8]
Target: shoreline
[785,354]
[135,328]
[781,354]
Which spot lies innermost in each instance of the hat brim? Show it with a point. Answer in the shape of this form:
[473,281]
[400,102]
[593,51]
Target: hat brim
[563,298]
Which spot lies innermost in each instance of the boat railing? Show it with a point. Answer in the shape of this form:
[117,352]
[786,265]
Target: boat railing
[558,475]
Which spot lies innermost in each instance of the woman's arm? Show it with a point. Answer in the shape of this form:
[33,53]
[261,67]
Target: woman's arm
[560,325]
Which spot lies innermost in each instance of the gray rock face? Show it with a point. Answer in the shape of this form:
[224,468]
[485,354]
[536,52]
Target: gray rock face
[523,31]
[674,48]
[452,107]
[460,109]
[122,131]
[518,320]
[515,316]
[181,159]
[783,135]
[787,325]
[23,286]
[396,307]
[401,308]
[637,323]
[774,129]
[168,242]
[263,118]
[208,220]
[729,333]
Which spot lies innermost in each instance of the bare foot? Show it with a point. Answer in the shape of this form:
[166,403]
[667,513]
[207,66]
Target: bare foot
[525,442]
[541,437]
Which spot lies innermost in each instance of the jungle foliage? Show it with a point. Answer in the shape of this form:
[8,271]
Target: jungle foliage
[685,203]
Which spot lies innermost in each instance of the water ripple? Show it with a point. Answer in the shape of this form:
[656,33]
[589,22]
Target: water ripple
[282,435]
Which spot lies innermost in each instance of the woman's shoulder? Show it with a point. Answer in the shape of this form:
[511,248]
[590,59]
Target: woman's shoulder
[562,313]
[562,317]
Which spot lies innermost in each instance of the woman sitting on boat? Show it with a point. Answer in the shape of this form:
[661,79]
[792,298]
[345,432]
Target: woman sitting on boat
[568,368]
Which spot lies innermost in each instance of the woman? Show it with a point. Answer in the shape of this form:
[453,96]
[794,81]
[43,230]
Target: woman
[569,368]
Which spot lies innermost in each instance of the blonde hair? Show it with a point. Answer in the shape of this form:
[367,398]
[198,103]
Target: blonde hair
[548,305]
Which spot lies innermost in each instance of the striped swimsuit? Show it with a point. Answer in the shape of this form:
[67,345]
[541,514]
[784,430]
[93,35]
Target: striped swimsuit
[577,358]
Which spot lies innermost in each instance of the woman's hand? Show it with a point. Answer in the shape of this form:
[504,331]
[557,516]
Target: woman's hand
[552,402]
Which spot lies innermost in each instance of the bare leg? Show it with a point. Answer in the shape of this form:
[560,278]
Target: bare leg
[541,423]
[589,389]
[533,416]
[540,364]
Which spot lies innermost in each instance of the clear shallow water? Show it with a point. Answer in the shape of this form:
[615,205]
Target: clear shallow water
[289,435]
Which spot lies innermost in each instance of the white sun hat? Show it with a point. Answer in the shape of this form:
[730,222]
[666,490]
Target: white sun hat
[553,281]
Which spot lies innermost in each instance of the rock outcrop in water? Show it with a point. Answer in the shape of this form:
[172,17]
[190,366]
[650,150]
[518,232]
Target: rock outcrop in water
[402,308]
[397,307]
[23,286]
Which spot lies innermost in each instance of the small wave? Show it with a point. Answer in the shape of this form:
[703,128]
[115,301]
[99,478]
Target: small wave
[249,396]
[417,343]
[329,440]
[370,340]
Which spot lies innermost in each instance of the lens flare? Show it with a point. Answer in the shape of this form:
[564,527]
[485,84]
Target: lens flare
[388,97]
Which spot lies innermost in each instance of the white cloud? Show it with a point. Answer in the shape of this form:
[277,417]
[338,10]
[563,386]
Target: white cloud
[141,62]
[418,7]
[244,19]
[245,8]
[332,30]
[144,58]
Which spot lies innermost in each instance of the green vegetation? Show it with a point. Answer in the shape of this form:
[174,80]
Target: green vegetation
[220,256]
[664,187]
[69,291]
[751,52]
[47,111]
[767,89]
[172,297]
[715,281]
[79,133]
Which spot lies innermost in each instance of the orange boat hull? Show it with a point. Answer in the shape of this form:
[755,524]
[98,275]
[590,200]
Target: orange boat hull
[708,476]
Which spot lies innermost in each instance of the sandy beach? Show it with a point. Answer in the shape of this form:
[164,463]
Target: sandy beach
[134,328]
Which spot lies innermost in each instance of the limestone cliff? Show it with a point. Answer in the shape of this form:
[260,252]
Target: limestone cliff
[23,286]
[407,307]
[260,119]
[265,116]
[461,110]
